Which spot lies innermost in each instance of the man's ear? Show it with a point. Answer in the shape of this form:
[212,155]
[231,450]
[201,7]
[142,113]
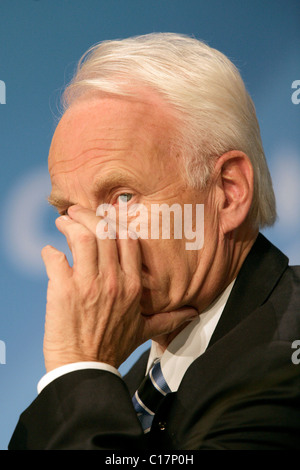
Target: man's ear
[235,173]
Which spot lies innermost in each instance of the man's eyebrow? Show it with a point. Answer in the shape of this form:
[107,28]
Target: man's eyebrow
[101,185]
[108,182]
[59,202]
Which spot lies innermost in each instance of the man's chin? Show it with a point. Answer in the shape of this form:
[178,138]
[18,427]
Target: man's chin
[159,308]
[154,302]
[146,302]
[149,304]
[149,309]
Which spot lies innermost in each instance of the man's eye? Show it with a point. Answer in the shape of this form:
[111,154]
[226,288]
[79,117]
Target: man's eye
[124,197]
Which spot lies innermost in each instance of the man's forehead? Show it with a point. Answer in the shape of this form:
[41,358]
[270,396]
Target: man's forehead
[111,113]
[86,120]
[105,123]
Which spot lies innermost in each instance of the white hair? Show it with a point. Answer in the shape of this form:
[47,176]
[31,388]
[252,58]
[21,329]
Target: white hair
[202,86]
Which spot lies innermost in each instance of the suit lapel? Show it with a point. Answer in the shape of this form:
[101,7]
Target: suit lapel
[235,351]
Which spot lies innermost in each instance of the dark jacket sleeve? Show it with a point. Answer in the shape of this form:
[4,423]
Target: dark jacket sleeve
[86,410]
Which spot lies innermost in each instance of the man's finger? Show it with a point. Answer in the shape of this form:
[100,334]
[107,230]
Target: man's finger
[84,216]
[130,256]
[108,257]
[83,246]
[166,322]
[56,264]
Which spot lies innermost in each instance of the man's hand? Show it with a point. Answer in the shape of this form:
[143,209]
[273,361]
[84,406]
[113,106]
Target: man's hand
[93,308]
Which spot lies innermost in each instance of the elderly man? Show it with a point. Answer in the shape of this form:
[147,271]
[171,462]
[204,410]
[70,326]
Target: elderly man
[152,120]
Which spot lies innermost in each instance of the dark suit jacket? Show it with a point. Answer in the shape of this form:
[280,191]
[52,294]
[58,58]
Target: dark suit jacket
[242,393]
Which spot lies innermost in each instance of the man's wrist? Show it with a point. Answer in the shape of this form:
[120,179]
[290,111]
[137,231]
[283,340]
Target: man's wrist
[67,368]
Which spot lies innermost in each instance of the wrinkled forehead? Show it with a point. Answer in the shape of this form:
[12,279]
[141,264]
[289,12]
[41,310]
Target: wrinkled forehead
[108,124]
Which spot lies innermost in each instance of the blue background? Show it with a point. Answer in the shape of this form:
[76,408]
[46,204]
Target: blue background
[40,44]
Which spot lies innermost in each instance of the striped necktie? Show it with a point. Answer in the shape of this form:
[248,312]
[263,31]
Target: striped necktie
[149,395]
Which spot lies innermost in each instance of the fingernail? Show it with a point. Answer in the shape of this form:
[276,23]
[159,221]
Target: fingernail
[64,217]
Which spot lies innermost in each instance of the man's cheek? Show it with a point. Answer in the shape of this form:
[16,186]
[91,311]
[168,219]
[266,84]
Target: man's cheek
[194,226]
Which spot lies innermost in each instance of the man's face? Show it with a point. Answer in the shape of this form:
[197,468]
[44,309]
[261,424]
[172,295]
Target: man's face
[109,150]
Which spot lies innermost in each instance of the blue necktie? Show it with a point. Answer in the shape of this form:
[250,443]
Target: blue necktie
[149,395]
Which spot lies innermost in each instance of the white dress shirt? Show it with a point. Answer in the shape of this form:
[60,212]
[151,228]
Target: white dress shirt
[189,344]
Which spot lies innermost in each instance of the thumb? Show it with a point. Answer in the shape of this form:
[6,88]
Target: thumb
[56,263]
[166,322]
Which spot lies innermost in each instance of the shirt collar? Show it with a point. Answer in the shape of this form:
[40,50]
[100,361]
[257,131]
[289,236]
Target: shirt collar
[189,344]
